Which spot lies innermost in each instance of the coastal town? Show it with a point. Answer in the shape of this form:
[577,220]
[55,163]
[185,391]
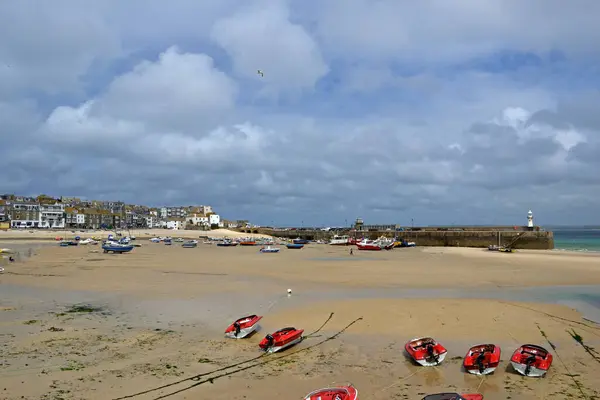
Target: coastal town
[46,212]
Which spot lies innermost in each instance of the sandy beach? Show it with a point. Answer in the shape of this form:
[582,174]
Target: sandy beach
[156,316]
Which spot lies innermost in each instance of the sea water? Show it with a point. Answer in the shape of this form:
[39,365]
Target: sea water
[576,239]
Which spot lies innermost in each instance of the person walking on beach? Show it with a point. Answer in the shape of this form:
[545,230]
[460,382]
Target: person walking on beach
[351,252]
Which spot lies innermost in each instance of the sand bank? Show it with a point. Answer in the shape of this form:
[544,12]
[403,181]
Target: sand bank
[163,310]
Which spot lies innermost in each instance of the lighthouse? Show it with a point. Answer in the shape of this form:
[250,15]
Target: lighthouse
[530,220]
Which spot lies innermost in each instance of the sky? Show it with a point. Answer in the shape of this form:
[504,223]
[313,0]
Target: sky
[412,112]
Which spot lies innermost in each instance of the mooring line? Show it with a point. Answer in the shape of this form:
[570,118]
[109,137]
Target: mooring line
[195,377]
[211,380]
[563,363]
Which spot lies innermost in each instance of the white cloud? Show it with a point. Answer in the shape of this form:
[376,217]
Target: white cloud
[383,123]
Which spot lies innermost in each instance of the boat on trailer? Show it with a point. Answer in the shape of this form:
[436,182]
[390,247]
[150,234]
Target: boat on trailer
[453,396]
[243,327]
[426,351]
[482,359]
[531,360]
[281,339]
[347,392]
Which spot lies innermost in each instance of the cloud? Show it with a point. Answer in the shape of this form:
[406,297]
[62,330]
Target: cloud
[382,110]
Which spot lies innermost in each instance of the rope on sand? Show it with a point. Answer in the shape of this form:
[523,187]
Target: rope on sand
[211,380]
[196,377]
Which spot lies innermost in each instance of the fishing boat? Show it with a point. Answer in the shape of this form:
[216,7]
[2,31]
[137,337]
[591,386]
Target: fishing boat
[482,359]
[242,327]
[426,351]
[269,249]
[453,396]
[340,240]
[294,246]
[282,339]
[115,247]
[190,244]
[368,245]
[227,243]
[531,360]
[347,392]
[300,241]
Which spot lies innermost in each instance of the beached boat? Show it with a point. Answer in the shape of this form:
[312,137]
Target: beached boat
[453,396]
[426,351]
[247,243]
[190,244]
[300,241]
[242,327]
[282,339]
[269,249]
[368,245]
[482,359]
[114,247]
[531,360]
[227,243]
[294,246]
[340,240]
[347,392]
[6,251]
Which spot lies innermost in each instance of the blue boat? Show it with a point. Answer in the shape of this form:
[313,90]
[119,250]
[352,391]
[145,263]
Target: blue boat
[168,242]
[63,244]
[294,246]
[116,248]
[300,241]
[190,244]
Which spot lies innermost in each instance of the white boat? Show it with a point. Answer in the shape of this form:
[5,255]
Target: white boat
[269,249]
[155,240]
[340,240]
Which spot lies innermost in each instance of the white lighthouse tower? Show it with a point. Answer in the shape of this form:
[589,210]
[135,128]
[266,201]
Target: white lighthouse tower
[530,220]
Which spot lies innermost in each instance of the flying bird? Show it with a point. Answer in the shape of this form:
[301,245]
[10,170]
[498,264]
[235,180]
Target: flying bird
[259,72]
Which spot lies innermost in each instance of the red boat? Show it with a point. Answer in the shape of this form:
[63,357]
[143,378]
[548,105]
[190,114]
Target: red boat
[453,396]
[426,351]
[482,359]
[348,392]
[531,360]
[242,327]
[282,339]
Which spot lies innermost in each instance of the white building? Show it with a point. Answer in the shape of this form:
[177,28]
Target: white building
[175,224]
[151,221]
[214,219]
[80,219]
[198,220]
[52,216]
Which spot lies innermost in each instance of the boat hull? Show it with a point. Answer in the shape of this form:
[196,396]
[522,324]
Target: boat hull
[294,246]
[540,363]
[247,326]
[491,359]
[368,247]
[417,350]
[275,349]
[243,332]
[115,249]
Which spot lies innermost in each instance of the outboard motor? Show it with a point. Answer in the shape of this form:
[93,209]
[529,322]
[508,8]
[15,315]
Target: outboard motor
[270,341]
[479,362]
[431,353]
[530,361]
[237,327]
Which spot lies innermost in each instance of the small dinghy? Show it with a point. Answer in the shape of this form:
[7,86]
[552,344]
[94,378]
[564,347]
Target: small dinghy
[242,327]
[426,351]
[294,246]
[348,392]
[282,339]
[531,360]
[453,396]
[482,359]
[190,244]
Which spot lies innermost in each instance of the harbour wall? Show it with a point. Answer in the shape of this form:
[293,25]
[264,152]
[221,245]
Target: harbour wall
[515,237]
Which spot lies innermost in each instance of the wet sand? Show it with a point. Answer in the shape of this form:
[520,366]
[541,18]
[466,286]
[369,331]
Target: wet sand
[162,310]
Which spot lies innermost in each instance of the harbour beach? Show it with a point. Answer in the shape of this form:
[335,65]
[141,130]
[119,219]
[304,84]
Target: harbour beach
[157,315]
